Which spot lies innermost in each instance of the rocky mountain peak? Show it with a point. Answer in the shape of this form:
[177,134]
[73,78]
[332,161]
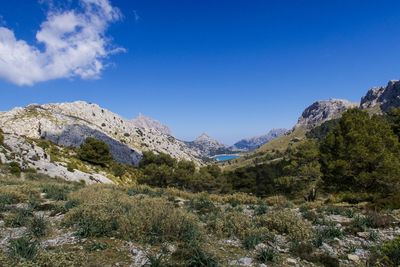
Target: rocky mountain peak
[69,124]
[145,122]
[204,137]
[384,97]
[323,110]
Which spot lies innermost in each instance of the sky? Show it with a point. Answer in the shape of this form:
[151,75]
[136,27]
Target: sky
[230,68]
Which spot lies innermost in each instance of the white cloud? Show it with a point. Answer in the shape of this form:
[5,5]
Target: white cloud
[74,45]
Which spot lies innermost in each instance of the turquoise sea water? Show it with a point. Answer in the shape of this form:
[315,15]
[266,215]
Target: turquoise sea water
[225,157]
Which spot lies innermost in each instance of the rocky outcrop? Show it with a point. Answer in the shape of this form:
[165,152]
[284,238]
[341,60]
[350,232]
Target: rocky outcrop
[69,124]
[384,97]
[147,123]
[253,143]
[321,111]
[207,146]
[30,155]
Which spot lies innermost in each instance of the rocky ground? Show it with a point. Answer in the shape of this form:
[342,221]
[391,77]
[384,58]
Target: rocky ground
[50,222]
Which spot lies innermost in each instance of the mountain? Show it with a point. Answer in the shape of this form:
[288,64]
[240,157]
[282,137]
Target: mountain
[253,143]
[69,124]
[207,146]
[321,111]
[382,98]
[145,122]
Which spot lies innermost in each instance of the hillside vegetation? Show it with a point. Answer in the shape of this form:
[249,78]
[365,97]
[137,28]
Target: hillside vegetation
[330,199]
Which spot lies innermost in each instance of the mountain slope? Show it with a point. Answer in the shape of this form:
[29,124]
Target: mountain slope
[69,124]
[382,98]
[145,122]
[321,111]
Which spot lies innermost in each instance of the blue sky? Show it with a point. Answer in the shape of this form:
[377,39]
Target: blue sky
[231,68]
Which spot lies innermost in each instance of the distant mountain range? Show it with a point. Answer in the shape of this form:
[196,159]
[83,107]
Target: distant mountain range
[253,143]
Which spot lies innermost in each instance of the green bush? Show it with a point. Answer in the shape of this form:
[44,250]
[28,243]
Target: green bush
[108,211]
[326,233]
[266,255]
[18,218]
[14,168]
[38,226]
[202,204]
[390,252]
[56,191]
[255,236]
[95,151]
[287,222]
[197,257]
[23,248]
[361,223]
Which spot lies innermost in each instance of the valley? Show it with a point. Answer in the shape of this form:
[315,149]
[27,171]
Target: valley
[81,186]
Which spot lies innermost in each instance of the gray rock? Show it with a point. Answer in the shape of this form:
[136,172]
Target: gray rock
[384,97]
[321,111]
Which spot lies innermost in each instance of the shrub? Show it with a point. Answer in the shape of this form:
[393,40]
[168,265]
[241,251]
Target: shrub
[202,204]
[23,247]
[360,223]
[256,236]
[38,226]
[61,259]
[56,192]
[18,218]
[197,257]
[326,233]
[288,222]
[156,260]
[118,169]
[95,151]
[261,209]
[14,168]
[266,255]
[96,246]
[230,224]
[303,250]
[390,252]
[106,211]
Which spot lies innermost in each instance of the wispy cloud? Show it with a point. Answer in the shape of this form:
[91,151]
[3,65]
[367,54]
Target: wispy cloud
[74,44]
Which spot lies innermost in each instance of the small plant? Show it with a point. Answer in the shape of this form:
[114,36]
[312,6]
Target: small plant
[56,192]
[198,257]
[266,255]
[96,246]
[390,252]
[14,168]
[361,223]
[287,222]
[202,204]
[157,260]
[251,241]
[23,247]
[38,226]
[326,233]
[303,250]
[373,235]
[261,209]
[7,199]
[18,218]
